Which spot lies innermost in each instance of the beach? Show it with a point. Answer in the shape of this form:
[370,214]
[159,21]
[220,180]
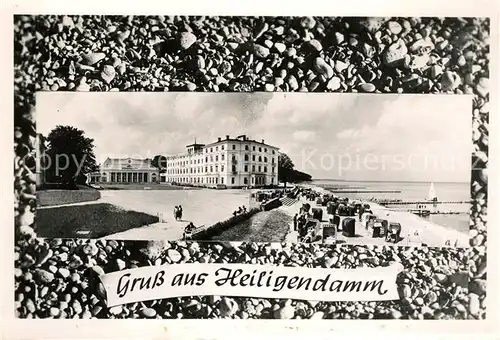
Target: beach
[415,230]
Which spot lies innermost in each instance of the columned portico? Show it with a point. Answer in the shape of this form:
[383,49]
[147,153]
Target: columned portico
[127,170]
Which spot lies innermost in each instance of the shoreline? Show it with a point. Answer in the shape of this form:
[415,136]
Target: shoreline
[429,233]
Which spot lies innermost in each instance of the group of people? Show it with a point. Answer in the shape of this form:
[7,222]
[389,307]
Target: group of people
[178,213]
[241,210]
[299,221]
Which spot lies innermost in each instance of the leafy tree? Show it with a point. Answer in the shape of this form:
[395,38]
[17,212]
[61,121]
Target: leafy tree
[70,156]
[159,162]
[285,168]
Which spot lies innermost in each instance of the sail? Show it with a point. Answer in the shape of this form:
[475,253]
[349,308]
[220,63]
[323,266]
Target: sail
[432,193]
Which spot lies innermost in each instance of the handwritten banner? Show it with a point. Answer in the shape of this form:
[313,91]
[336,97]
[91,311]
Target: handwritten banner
[159,282]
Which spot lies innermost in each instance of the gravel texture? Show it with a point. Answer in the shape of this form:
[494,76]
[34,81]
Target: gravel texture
[60,281]
[217,54]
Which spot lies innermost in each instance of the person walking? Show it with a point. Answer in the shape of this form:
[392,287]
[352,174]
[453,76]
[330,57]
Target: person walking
[176,209]
[295,222]
[180,212]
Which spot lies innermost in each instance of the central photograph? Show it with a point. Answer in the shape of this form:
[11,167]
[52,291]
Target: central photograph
[256,167]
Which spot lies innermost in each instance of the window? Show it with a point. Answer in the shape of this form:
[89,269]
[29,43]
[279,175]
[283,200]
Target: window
[245,180]
[253,179]
[221,157]
[206,159]
[216,168]
[211,168]
[234,147]
[253,148]
[216,158]
[234,168]
[273,160]
[260,168]
[211,149]
[265,159]
[253,168]
[253,158]
[246,147]
[273,152]
[206,168]
[222,180]
[260,149]
[222,147]
[246,168]
[265,150]
[222,168]
[246,157]
[211,158]
[232,180]
[260,158]
[273,169]
[265,169]
[216,148]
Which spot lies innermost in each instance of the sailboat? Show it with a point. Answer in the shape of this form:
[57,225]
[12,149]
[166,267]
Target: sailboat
[432,193]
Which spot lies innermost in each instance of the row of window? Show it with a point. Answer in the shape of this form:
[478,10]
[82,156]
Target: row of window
[200,169]
[246,157]
[215,180]
[233,146]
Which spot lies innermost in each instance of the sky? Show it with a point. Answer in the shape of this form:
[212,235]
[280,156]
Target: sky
[365,137]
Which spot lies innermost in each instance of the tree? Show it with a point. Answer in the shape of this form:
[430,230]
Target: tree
[285,168]
[159,162]
[70,156]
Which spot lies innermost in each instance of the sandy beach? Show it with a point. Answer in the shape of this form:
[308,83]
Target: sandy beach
[415,230]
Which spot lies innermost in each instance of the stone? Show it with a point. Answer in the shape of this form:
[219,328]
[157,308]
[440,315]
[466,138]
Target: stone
[435,71]
[280,47]
[63,272]
[174,255]
[315,44]
[308,22]
[92,58]
[395,53]
[478,286]
[334,84]
[200,62]
[323,68]
[120,264]
[449,81]
[483,87]
[292,82]
[286,312]
[269,87]
[460,279]
[186,40]
[367,87]
[340,66]
[394,27]
[339,38]
[317,316]
[148,313]
[43,276]
[108,73]
[260,51]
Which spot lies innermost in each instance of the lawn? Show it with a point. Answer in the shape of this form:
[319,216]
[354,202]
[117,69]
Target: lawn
[96,220]
[59,197]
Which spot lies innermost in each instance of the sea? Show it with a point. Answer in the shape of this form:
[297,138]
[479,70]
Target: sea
[411,191]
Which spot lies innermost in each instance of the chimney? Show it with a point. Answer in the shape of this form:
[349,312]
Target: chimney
[227,136]
[219,139]
[262,141]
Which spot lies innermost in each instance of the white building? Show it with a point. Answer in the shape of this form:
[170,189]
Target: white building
[126,170]
[230,162]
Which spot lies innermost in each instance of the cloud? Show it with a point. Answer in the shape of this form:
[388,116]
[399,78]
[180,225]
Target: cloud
[334,125]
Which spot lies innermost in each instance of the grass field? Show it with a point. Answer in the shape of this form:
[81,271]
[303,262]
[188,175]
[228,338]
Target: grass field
[59,197]
[97,220]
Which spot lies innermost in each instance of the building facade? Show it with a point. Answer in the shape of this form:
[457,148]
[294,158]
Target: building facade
[229,162]
[126,170]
